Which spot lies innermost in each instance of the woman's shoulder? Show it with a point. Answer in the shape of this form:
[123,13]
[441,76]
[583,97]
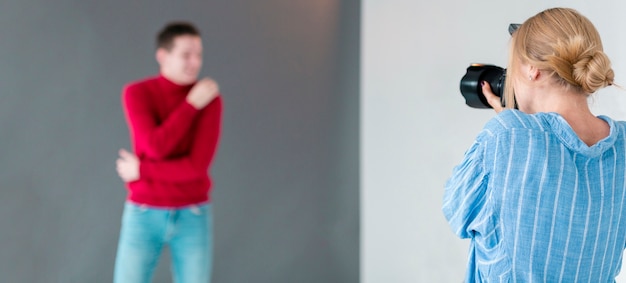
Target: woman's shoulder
[513,119]
[620,123]
[618,126]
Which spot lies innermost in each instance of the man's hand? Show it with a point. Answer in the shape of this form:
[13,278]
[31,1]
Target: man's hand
[202,93]
[492,99]
[127,166]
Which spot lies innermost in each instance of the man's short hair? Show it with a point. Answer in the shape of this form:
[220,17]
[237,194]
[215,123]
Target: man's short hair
[165,38]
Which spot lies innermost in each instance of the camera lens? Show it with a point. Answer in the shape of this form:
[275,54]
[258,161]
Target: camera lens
[472,90]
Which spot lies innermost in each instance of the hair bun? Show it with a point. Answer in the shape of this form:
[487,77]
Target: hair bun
[585,67]
[593,71]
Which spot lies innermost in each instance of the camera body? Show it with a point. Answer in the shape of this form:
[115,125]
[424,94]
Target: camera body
[471,88]
[477,73]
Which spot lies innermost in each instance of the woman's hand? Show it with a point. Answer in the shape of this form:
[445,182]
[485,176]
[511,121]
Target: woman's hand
[492,99]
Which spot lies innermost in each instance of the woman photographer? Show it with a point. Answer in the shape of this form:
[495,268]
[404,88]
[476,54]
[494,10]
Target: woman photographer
[541,193]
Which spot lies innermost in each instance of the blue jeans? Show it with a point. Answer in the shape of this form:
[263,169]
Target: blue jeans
[144,232]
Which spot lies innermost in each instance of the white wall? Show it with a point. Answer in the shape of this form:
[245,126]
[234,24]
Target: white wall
[415,126]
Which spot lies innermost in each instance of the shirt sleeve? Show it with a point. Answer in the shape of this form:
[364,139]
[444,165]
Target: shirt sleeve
[195,165]
[465,191]
[156,138]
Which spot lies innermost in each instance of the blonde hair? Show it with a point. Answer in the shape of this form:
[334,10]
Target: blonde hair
[564,44]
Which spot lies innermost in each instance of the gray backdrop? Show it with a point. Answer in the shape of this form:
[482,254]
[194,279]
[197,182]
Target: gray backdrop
[286,196]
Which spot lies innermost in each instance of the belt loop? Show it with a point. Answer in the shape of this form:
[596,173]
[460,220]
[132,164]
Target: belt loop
[195,210]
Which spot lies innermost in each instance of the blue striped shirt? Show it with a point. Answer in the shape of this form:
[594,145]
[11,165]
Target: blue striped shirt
[538,204]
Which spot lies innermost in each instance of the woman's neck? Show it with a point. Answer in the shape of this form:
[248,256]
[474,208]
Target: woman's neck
[574,108]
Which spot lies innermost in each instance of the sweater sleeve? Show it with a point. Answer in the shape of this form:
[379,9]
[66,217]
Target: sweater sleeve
[156,138]
[195,165]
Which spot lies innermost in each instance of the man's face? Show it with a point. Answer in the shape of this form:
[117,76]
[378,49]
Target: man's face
[182,63]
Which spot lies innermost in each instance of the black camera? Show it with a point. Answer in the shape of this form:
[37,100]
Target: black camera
[472,90]
[477,73]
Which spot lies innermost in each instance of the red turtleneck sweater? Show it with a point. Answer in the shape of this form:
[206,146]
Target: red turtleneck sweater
[174,141]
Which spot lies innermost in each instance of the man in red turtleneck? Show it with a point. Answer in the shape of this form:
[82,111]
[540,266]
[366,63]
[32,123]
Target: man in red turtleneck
[174,121]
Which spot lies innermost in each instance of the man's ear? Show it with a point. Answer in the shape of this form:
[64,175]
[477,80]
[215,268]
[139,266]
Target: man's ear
[160,55]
